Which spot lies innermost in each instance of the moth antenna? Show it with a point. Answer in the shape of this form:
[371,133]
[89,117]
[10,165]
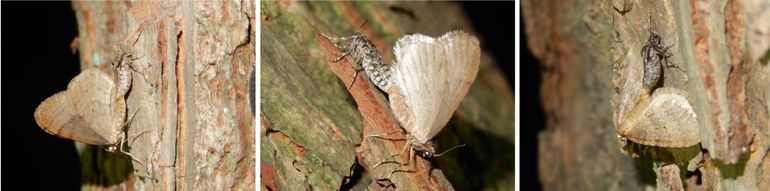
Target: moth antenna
[138,36]
[124,47]
[650,28]
[129,56]
[363,24]
[457,146]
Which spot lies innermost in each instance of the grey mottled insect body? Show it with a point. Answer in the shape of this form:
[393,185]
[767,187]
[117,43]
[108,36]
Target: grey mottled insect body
[366,56]
[122,64]
[655,56]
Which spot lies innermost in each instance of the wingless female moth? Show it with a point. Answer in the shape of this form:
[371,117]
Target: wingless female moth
[365,57]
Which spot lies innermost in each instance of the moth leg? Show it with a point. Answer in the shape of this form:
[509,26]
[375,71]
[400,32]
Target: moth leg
[411,154]
[135,159]
[131,65]
[406,147]
[128,57]
[382,136]
[123,140]
[354,78]
[673,65]
[144,77]
[626,7]
[346,53]
[136,136]
[126,122]
[358,70]
[122,143]
[411,158]
[338,39]
[400,170]
[663,48]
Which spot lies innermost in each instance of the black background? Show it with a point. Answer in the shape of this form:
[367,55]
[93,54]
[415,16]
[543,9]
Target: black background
[495,22]
[36,63]
[531,113]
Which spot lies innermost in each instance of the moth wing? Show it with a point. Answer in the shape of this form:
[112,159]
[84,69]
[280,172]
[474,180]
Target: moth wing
[430,79]
[94,97]
[463,54]
[668,121]
[56,115]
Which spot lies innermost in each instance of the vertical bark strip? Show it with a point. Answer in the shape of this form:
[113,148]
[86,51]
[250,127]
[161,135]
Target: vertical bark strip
[190,88]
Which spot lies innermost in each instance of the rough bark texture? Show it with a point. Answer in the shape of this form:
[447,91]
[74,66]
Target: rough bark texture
[722,47]
[312,125]
[190,89]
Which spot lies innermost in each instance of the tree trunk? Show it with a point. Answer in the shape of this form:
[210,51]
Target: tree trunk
[193,128]
[312,124]
[586,50]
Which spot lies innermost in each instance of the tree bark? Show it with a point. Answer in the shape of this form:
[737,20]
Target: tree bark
[193,128]
[586,47]
[312,124]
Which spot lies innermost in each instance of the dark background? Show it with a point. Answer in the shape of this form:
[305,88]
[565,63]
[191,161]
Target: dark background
[531,113]
[495,22]
[37,62]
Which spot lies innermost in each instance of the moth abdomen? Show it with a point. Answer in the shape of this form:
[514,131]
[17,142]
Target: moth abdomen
[367,57]
[655,56]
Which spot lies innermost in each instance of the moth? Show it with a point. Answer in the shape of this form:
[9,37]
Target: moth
[666,119]
[86,112]
[649,114]
[655,56]
[429,78]
[365,57]
[93,108]
[655,120]
[122,64]
[425,84]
